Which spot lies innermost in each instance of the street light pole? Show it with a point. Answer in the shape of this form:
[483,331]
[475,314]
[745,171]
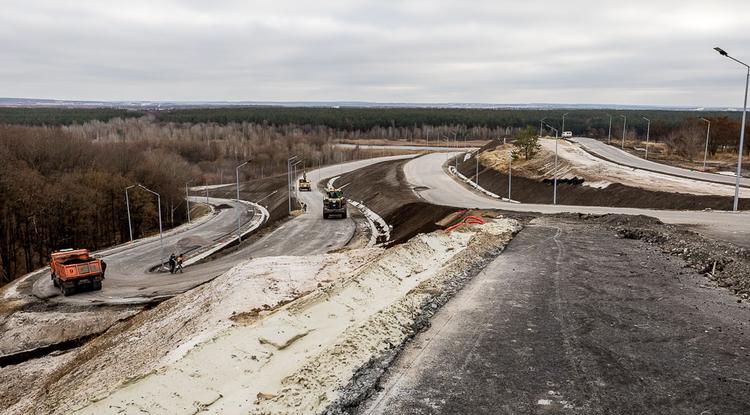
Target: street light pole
[187,200]
[239,211]
[541,123]
[476,176]
[648,133]
[609,135]
[554,191]
[161,234]
[624,125]
[563,123]
[127,203]
[708,133]
[510,172]
[289,181]
[742,129]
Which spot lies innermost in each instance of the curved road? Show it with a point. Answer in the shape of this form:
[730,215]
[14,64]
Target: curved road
[430,181]
[618,156]
[129,282]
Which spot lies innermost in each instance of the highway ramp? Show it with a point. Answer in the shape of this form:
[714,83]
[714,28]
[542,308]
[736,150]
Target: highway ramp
[432,183]
[619,156]
[129,281]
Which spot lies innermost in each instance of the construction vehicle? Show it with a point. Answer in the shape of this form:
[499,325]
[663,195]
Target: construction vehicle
[72,269]
[304,184]
[334,203]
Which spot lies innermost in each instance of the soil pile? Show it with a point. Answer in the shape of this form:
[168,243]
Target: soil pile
[726,264]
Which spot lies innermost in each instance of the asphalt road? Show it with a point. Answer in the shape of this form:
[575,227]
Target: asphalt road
[570,319]
[309,233]
[128,280]
[618,156]
[430,182]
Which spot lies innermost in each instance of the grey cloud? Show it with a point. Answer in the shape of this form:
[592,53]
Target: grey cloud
[578,51]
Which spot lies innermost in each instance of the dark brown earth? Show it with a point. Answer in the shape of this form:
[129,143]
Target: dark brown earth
[574,193]
[384,190]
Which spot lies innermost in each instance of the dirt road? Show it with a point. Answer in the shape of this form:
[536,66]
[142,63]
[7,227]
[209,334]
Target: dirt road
[571,319]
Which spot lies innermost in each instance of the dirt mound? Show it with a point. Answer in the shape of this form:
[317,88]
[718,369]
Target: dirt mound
[726,264]
[224,206]
[414,218]
[383,188]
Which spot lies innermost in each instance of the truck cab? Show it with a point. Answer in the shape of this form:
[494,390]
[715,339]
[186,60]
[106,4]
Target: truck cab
[304,184]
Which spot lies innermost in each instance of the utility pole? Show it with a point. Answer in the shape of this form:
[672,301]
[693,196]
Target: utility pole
[624,124]
[742,129]
[708,133]
[609,135]
[648,133]
[563,123]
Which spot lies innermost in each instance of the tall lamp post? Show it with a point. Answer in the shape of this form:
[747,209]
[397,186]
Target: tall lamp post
[127,204]
[563,123]
[609,135]
[648,133]
[239,211]
[708,133]
[742,128]
[541,126]
[187,199]
[289,180]
[554,191]
[161,234]
[624,124]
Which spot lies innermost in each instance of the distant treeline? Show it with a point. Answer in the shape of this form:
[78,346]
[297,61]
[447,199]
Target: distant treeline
[364,119]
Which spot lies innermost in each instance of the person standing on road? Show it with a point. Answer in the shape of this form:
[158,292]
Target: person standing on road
[179,263]
[172,263]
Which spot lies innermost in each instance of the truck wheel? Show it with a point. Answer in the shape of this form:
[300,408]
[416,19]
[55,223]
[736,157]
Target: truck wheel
[66,291]
[325,216]
[97,285]
[343,215]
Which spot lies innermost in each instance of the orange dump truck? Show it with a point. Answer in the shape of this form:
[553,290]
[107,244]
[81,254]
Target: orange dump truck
[75,268]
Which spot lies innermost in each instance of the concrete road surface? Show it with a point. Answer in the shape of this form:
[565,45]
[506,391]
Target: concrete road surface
[427,176]
[128,280]
[618,156]
[569,320]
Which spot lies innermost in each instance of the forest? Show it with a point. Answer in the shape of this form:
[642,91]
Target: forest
[63,172]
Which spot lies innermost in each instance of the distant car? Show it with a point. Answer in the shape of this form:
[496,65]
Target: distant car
[567,134]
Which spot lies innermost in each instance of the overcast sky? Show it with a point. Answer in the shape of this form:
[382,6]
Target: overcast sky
[483,51]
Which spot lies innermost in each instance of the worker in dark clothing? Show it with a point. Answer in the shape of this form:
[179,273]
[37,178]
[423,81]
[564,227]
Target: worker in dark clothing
[172,263]
[104,267]
[179,263]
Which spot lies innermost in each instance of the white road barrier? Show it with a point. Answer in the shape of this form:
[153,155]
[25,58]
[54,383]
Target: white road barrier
[473,184]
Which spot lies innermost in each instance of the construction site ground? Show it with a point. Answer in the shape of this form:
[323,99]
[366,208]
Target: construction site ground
[577,317]
[581,314]
[586,180]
